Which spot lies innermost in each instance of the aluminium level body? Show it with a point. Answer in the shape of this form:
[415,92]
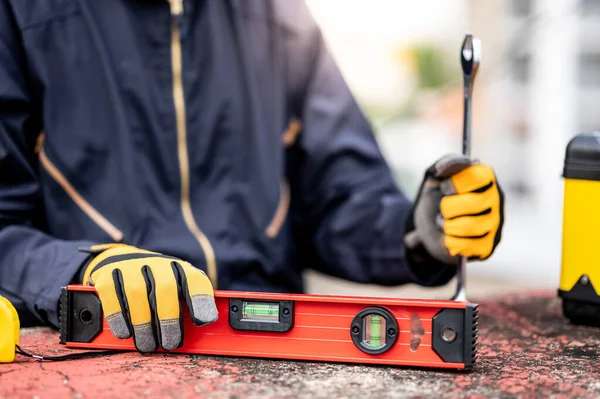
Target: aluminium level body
[360,330]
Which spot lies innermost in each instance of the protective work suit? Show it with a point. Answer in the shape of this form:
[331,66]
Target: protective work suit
[162,149]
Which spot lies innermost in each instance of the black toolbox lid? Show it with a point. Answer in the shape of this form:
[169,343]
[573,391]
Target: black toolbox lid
[582,159]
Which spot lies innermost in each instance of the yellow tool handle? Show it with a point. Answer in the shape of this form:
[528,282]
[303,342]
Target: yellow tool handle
[9,331]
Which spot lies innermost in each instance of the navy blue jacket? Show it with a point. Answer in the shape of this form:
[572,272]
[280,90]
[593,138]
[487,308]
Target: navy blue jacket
[223,134]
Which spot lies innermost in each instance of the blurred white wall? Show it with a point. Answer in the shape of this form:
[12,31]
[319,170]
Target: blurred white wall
[528,96]
[368,37]
[532,115]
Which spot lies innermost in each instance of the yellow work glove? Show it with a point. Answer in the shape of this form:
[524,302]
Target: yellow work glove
[459,211]
[9,331]
[140,290]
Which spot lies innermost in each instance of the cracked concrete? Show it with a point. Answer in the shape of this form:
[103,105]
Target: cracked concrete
[527,349]
[65,382]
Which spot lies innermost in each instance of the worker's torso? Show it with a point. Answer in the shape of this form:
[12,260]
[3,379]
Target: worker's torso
[191,163]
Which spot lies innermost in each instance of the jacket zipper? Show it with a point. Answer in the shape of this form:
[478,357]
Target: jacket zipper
[85,206]
[179,100]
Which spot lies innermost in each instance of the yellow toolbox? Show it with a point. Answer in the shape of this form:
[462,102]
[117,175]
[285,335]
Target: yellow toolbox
[580,269]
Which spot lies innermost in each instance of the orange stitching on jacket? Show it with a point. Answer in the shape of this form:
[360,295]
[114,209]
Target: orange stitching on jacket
[182,148]
[39,143]
[85,206]
[281,213]
[290,135]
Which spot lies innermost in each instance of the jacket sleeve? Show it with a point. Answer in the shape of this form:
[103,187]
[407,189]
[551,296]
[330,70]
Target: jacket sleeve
[356,213]
[33,265]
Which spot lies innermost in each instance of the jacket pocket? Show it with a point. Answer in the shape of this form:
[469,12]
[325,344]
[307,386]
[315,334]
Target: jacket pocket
[281,212]
[76,197]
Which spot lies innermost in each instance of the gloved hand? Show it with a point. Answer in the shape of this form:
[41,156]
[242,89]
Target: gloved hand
[140,290]
[459,211]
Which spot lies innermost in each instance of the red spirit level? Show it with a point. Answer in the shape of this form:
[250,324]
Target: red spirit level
[402,332]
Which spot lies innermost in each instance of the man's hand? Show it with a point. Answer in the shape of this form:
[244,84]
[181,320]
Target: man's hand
[459,211]
[140,290]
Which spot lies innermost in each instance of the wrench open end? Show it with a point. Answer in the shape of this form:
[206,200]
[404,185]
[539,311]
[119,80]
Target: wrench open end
[470,56]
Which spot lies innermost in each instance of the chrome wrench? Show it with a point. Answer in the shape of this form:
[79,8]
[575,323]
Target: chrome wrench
[470,57]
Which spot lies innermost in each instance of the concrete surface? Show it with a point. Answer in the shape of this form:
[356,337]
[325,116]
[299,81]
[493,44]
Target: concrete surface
[527,349]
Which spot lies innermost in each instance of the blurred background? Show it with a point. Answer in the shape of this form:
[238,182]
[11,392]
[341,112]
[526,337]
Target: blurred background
[538,85]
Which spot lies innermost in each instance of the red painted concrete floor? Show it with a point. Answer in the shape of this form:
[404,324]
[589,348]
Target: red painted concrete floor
[527,349]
